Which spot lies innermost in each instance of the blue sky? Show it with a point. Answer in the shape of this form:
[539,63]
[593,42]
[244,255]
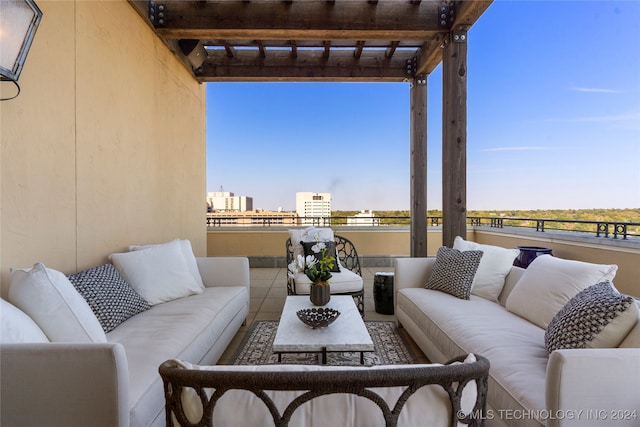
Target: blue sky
[553,121]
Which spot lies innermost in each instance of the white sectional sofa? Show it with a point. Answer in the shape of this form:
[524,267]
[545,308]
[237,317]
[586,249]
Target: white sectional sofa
[111,379]
[528,386]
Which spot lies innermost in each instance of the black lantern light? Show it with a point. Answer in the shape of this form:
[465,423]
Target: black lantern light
[19,20]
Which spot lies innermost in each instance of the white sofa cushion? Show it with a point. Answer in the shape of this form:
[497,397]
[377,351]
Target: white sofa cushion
[514,345]
[187,253]
[47,296]
[597,317]
[190,329]
[17,327]
[453,271]
[494,266]
[549,283]
[158,273]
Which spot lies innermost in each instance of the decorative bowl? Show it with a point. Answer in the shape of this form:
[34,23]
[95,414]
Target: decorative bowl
[318,317]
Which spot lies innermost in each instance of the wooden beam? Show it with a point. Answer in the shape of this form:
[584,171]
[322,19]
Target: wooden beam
[454,138]
[310,65]
[316,20]
[391,49]
[418,135]
[358,50]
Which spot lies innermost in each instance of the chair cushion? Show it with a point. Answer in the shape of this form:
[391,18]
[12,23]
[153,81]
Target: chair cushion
[342,282]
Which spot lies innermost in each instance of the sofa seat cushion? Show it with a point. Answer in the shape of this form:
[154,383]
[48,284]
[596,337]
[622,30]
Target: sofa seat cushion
[184,328]
[514,346]
[344,281]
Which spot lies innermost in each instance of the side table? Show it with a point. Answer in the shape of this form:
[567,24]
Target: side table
[383,292]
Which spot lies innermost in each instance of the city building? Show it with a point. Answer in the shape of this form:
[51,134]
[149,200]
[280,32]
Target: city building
[364,218]
[223,201]
[311,207]
[259,218]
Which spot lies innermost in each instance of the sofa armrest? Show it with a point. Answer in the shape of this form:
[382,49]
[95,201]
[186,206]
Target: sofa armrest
[224,271]
[593,386]
[64,384]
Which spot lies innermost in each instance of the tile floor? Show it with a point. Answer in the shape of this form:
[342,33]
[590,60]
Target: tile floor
[268,293]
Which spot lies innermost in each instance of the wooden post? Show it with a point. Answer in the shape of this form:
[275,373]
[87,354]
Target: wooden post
[454,137]
[419,166]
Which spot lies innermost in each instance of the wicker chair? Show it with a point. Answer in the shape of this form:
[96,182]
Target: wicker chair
[209,384]
[348,257]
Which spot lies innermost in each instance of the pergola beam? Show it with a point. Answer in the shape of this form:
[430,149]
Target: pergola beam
[306,66]
[355,20]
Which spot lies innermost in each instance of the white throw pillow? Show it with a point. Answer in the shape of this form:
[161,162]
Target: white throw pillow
[187,253]
[549,283]
[47,296]
[308,234]
[494,266]
[158,273]
[17,327]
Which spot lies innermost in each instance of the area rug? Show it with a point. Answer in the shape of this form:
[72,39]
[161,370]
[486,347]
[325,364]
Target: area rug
[390,348]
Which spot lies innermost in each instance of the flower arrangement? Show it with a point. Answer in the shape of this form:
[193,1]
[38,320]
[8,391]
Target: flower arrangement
[316,268]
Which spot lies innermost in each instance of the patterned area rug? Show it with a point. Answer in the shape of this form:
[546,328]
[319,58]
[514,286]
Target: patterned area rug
[390,348]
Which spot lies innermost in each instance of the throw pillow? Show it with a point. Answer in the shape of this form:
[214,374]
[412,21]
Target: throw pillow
[597,317]
[49,298]
[187,252]
[549,283]
[158,273]
[453,271]
[17,327]
[330,251]
[308,234]
[494,266]
[110,297]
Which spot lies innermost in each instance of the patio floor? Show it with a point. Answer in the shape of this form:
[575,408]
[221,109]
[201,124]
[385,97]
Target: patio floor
[269,291]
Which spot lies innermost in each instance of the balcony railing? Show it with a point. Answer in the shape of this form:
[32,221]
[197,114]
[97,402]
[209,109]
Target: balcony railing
[607,229]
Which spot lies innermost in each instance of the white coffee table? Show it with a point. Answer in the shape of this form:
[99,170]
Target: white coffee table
[347,333]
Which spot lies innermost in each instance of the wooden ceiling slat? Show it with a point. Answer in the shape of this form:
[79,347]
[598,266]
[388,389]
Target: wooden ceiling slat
[308,66]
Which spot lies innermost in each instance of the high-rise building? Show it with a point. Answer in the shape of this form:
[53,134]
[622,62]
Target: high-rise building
[313,205]
[222,201]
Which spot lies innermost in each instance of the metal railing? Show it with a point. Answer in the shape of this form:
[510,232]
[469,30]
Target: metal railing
[607,229]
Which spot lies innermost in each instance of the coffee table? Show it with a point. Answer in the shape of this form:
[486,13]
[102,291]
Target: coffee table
[347,333]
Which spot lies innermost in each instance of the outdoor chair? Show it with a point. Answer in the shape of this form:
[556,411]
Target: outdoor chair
[347,258]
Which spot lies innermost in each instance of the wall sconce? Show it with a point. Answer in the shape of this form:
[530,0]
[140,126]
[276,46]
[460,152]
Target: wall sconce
[19,20]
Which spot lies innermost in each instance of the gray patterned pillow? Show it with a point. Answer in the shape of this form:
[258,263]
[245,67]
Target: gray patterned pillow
[453,271]
[597,317]
[110,297]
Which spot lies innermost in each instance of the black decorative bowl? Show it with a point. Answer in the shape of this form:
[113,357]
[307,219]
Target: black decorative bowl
[318,317]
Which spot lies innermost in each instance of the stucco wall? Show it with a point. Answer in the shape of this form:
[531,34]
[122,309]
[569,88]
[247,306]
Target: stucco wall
[104,147]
